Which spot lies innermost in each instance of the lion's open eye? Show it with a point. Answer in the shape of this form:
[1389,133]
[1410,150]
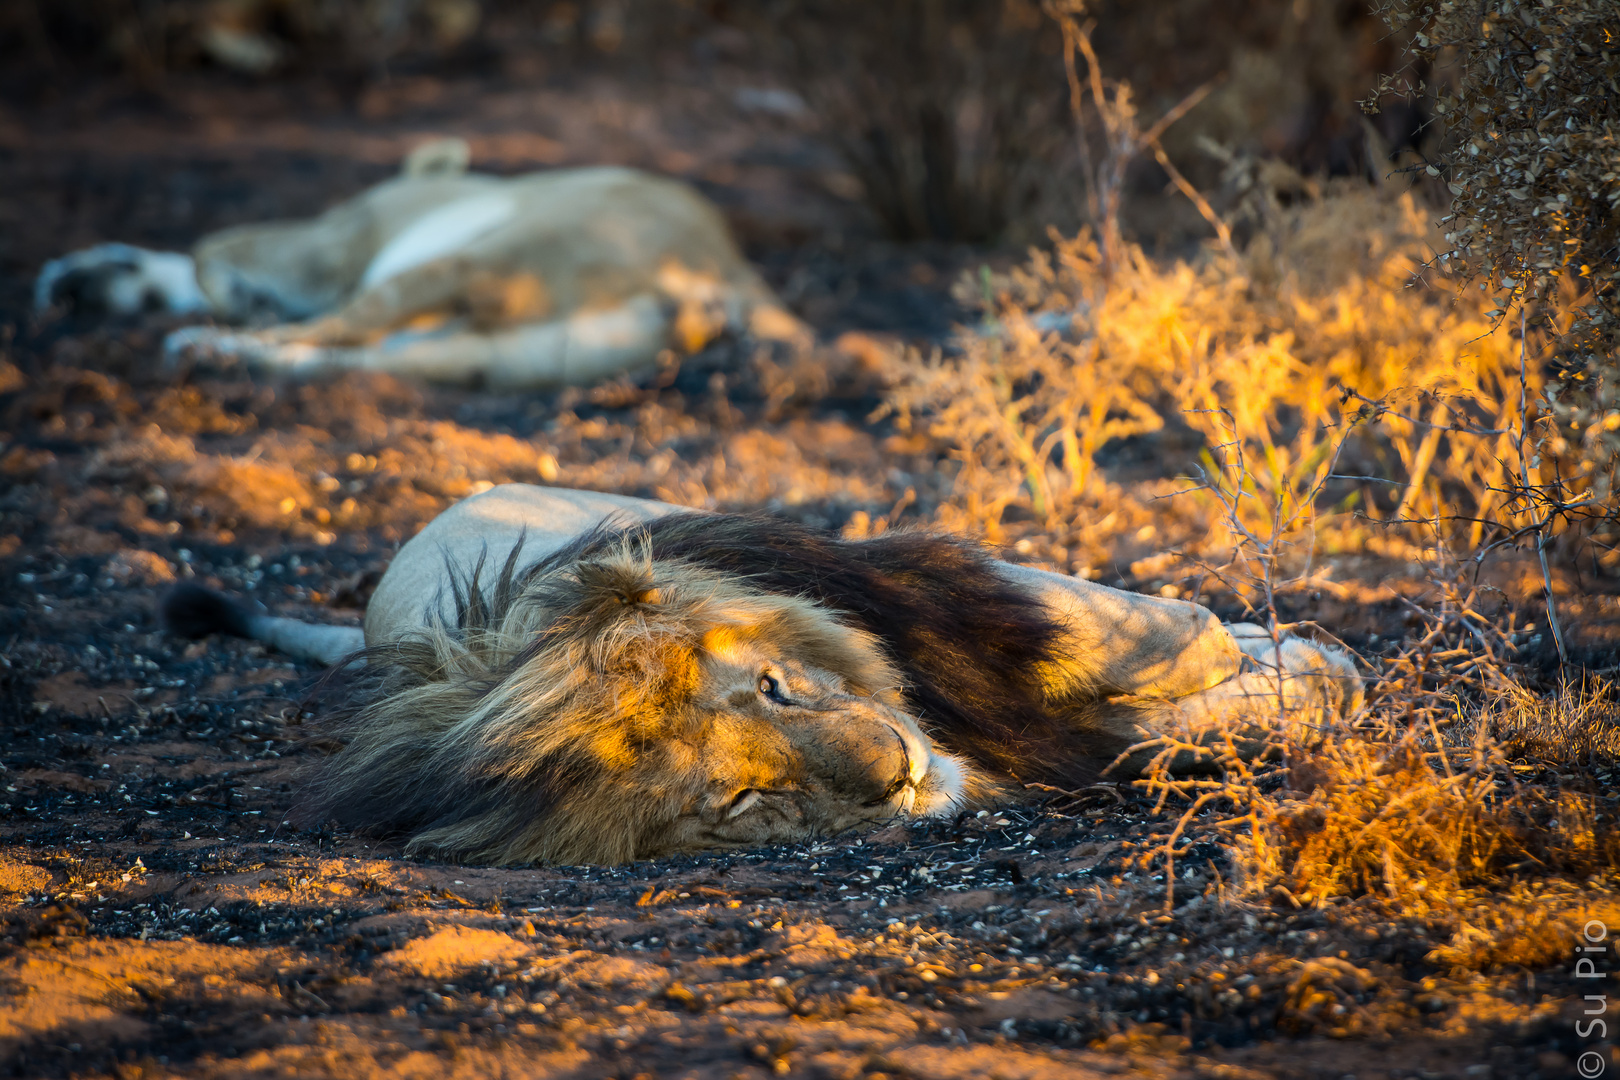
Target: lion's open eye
[771,688]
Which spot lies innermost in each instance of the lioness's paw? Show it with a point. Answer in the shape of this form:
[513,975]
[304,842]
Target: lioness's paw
[120,279]
[256,349]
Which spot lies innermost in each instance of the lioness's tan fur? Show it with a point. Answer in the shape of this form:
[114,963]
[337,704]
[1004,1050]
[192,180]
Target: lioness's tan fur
[565,276]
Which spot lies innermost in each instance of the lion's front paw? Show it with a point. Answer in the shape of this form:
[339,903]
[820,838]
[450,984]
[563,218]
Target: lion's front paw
[1339,681]
[1327,670]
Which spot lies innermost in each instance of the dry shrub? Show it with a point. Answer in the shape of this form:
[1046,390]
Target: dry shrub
[948,111]
[1531,925]
[1251,359]
[1457,795]
[1467,824]
[1417,826]
[1532,158]
[1578,728]
[952,113]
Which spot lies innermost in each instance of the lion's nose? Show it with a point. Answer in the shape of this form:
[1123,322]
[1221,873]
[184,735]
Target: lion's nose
[870,762]
[898,778]
[896,787]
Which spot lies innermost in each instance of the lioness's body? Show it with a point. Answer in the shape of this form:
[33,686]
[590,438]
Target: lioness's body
[573,676]
[565,276]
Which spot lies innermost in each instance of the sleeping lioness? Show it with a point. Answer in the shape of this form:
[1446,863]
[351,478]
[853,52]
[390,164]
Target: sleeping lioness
[567,676]
[566,276]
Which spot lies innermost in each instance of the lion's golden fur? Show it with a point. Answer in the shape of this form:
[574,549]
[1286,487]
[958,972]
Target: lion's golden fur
[543,726]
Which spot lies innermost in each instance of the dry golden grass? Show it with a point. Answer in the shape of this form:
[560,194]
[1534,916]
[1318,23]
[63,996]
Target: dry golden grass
[1257,356]
[1397,815]
[1476,825]
[1528,925]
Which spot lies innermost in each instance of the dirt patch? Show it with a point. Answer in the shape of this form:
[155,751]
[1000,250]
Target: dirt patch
[444,953]
[83,993]
[139,568]
[19,879]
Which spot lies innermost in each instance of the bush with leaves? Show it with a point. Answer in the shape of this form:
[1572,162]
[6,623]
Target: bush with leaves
[1528,92]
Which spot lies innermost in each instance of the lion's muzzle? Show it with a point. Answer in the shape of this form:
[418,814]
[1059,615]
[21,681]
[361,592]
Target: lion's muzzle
[934,780]
[867,758]
[879,759]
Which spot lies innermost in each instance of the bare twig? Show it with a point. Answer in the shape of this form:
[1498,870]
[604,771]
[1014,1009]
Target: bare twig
[1222,230]
[1519,440]
[1123,139]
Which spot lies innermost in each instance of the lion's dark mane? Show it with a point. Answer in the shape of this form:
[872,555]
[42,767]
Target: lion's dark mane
[970,643]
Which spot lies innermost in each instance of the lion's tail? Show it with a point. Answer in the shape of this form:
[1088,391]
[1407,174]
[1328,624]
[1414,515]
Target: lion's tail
[192,611]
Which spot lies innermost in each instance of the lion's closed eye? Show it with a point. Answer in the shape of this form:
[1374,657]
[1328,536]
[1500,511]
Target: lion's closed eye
[745,799]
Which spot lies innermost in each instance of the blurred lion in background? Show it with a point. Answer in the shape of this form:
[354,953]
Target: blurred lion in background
[554,278]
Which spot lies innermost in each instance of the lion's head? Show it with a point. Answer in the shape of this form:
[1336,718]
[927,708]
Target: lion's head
[611,706]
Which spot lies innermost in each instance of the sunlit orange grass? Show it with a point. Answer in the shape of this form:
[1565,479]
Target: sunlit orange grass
[1256,352]
[1531,924]
[1422,817]
[1361,818]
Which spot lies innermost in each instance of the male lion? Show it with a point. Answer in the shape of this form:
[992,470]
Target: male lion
[561,277]
[637,680]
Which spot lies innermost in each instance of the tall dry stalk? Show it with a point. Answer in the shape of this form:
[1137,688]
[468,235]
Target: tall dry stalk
[1122,138]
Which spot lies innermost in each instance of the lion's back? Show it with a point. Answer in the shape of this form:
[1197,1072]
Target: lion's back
[488,525]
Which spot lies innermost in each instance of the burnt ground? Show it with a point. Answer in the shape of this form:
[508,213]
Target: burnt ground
[161,915]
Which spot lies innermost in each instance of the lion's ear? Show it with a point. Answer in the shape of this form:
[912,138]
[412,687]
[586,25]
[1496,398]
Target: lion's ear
[618,581]
[655,672]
